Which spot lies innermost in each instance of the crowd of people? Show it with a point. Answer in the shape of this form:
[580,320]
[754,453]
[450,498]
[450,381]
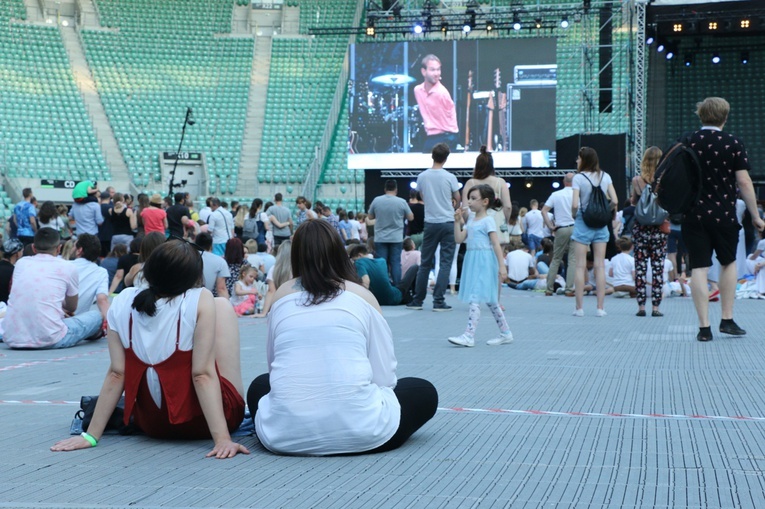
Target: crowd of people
[178,277]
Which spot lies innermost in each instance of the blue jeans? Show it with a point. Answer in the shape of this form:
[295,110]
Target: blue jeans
[391,252]
[435,234]
[529,284]
[79,328]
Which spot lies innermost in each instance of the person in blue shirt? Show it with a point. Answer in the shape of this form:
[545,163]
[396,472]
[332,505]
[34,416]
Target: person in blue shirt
[373,273]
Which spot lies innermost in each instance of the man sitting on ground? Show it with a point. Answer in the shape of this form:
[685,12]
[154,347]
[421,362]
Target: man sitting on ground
[373,273]
[44,298]
[94,280]
[521,268]
[214,267]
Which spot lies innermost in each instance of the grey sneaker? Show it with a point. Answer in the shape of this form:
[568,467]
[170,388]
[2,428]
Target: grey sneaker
[560,291]
[413,305]
[462,340]
[442,307]
[502,339]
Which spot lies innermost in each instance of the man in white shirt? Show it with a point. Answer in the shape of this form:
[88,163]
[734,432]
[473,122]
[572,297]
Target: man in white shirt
[533,225]
[562,228]
[221,225]
[204,213]
[214,268]
[521,269]
[44,298]
[94,280]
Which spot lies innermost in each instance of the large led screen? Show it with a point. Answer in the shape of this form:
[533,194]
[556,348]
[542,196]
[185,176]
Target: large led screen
[405,97]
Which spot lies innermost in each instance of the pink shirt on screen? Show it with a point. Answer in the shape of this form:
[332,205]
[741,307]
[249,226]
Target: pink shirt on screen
[437,109]
[35,317]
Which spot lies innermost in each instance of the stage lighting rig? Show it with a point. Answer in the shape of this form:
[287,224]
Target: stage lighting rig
[517,22]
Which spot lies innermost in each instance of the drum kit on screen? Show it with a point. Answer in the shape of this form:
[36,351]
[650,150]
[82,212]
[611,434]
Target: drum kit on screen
[379,117]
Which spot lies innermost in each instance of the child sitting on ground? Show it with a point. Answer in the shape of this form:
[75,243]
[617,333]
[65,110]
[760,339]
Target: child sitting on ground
[410,255]
[623,270]
[245,293]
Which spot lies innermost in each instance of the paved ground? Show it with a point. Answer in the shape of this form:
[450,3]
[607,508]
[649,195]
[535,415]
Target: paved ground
[618,411]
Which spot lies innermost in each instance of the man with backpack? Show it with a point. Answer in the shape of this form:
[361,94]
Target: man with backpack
[711,225]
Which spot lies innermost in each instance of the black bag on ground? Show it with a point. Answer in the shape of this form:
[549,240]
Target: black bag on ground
[598,211]
[115,422]
[677,181]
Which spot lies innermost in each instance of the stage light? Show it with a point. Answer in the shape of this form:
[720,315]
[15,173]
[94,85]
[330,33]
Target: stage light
[555,185]
[538,22]
[528,183]
[715,58]
[712,26]
[65,23]
[413,184]
[649,40]
[564,22]
[444,27]
[466,28]
[744,57]
[489,25]
[670,54]
[745,23]
[371,27]
[417,29]
[516,22]
[677,27]
[688,59]
[459,185]
[650,37]
[49,21]
[660,47]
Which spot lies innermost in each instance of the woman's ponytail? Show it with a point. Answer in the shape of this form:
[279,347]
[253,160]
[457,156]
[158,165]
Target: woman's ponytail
[146,301]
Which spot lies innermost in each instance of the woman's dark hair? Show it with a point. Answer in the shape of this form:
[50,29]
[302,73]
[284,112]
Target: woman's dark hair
[486,193]
[268,205]
[320,261]
[514,213]
[257,203]
[234,251]
[484,165]
[547,245]
[150,242]
[172,268]
[47,212]
[119,250]
[589,160]
[135,244]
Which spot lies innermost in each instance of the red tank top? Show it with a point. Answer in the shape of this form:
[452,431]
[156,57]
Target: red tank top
[178,393]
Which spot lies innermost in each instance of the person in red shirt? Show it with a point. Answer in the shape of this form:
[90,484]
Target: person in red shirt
[436,106]
[154,216]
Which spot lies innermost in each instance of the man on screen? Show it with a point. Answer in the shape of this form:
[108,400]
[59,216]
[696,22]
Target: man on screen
[436,106]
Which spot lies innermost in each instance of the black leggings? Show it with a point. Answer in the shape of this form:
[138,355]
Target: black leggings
[417,397]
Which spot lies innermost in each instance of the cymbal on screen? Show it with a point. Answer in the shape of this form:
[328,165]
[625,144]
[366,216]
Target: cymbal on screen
[392,79]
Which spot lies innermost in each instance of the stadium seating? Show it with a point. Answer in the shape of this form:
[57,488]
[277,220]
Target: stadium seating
[45,131]
[174,61]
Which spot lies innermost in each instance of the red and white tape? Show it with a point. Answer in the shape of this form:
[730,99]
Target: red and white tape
[597,414]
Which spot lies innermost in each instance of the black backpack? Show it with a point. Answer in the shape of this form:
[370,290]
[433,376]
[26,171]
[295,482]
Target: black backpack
[677,181]
[598,211]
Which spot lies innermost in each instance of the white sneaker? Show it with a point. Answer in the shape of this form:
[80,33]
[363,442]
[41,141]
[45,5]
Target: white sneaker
[462,340]
[620,295]
[600,312]
[578,312]
[502,339]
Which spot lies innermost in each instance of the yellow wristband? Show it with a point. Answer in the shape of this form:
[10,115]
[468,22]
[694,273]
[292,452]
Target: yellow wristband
[90,438]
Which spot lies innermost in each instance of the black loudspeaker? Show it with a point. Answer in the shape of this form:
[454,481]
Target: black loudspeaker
[612,154]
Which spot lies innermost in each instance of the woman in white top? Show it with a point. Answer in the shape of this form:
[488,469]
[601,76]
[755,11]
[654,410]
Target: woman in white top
[174,350]
[331,386]
[484,173]
[48,217]
[588,175]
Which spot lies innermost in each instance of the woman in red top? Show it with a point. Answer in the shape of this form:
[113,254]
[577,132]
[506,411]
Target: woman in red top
[174,350]
[154,217]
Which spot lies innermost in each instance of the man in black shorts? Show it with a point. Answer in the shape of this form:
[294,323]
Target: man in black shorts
[711,225]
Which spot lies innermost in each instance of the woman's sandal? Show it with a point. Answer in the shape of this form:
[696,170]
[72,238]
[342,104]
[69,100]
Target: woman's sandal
[641,312]
[657,313]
